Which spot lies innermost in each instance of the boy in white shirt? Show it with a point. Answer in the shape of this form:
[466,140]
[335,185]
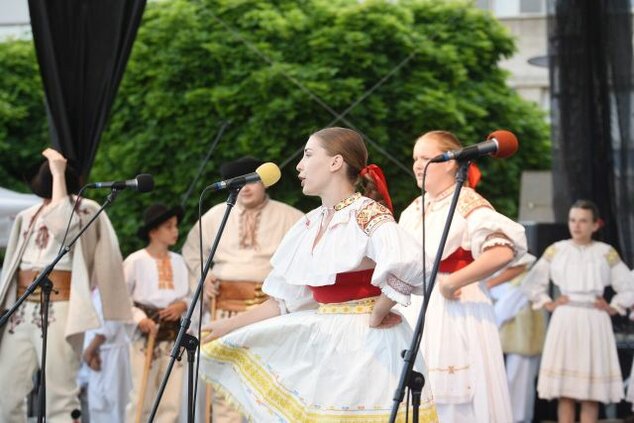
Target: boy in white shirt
[157,279]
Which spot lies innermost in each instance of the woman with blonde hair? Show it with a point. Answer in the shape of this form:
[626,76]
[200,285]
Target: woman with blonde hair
[460,340]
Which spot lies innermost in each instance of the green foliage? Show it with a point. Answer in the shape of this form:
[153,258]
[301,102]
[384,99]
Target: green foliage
[278,69]
[23,129]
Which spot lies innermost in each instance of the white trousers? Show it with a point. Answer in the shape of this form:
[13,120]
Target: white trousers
[521,372]
[20,355]
[169,408]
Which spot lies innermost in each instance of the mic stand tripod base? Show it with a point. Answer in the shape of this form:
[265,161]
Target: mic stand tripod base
[415,385]
[190,344]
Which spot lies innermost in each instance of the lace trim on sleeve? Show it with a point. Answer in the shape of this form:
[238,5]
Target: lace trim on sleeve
[399,286]
[497,239]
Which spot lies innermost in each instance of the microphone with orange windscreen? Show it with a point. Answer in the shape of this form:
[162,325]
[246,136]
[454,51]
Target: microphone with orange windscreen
[500,144]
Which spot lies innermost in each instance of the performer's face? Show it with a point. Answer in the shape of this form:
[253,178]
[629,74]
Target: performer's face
[166,233]
[439,175]
[315,168]
[581,225]
[252,195]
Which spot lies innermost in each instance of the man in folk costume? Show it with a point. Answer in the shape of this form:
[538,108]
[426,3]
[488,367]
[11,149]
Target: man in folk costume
[36,238]
[158,282]
[253,232]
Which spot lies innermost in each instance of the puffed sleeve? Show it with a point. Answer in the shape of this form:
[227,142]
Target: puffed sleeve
[535,284]
[488,228]
[289,297]
[398,257]
[622,281]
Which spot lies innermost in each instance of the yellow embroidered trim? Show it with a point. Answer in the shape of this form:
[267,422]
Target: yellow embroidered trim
[372,215]
[550,252]
[612,257]
[275,396]
[347,201]
[471,200]
[450,369]
[349,307]
[615,377]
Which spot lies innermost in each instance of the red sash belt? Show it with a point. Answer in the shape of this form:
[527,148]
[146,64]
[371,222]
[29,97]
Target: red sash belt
[348,286]
[456,261]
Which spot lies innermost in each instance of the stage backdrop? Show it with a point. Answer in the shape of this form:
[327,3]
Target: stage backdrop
[82,48]
[590,51]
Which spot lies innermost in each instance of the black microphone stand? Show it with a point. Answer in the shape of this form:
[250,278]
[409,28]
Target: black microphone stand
[46,286]
[409,378]
[189,342]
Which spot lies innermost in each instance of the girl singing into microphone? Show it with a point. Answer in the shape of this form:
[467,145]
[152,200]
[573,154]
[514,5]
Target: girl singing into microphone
[326,346]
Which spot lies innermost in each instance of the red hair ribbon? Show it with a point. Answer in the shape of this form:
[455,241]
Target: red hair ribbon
[378,178]
[473,175]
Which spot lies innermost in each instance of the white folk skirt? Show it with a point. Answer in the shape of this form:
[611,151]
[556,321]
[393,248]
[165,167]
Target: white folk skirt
[324,365]
[580,360]
[461,346]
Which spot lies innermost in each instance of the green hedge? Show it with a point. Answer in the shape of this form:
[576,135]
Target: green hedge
[267,66]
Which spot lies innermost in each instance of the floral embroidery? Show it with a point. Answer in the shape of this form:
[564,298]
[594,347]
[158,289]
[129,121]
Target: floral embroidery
[471,200]
[550,253]
[347,201]
[42,237]
[265,384]
[166,275]
[363,306]
[17,318]
[612,256]
[372,215]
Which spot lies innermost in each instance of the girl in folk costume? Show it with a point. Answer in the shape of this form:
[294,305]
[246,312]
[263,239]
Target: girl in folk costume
[460,341]
[35,241]
[158,282]
[579,361]
[326,345]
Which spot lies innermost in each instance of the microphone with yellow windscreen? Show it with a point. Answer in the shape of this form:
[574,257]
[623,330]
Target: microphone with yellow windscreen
[267,173]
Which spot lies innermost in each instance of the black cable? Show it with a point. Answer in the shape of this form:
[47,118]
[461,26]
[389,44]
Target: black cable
[78,198]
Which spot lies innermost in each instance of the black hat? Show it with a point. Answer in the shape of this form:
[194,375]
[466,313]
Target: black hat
[239,167]
[155,215]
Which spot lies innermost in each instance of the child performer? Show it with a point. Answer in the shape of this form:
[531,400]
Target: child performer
[580,362]
[158,282]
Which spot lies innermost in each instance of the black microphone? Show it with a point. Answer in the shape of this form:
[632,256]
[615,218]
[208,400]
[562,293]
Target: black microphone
[268,173]
[75,416]
[142,183]
[499,144]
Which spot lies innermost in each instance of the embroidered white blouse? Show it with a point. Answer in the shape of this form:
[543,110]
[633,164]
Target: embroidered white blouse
[581,272]
[361,235]
[142,276]
[475,227]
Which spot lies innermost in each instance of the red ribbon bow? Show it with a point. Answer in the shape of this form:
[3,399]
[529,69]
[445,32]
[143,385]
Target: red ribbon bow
[378,178]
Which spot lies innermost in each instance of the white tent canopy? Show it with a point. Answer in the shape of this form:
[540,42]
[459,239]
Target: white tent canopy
[11,203]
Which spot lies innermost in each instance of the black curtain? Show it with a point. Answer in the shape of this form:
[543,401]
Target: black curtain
[590,50]
[82,48]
